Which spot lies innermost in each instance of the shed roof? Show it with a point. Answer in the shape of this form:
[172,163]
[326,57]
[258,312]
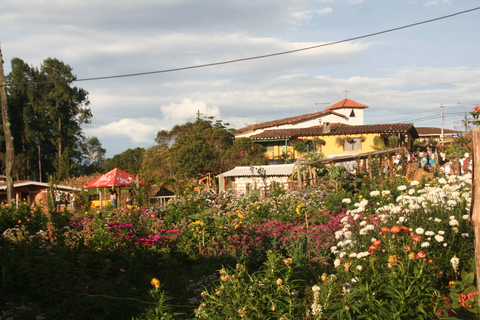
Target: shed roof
[23,183]
[252,171]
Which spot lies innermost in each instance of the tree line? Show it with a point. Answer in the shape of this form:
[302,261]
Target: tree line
[46,112]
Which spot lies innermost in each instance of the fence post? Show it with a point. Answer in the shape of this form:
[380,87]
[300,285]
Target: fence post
[475,204]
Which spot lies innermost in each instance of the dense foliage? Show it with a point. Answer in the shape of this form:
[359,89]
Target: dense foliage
[46,113]
[401,250]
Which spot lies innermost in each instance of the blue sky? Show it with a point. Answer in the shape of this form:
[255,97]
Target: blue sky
[403,76]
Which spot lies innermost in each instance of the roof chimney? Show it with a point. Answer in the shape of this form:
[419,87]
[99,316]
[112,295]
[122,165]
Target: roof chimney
[326,127]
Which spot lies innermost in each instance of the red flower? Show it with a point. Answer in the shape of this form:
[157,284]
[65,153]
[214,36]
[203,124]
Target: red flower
[407,249]
[377,242]
[404,229]
[372,249]
[396,229]
[416,238]
[421,255]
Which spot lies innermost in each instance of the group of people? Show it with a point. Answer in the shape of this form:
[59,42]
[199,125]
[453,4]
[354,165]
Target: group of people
[114,198]
[432,162]
[64,198]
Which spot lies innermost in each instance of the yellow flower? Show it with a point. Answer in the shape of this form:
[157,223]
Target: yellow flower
[324,276]
[240,216]
[155,282]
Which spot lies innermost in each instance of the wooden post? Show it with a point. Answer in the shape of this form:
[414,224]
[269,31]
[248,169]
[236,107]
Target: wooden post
[475,204]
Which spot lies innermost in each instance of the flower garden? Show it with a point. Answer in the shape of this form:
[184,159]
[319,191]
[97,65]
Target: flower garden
[397,249]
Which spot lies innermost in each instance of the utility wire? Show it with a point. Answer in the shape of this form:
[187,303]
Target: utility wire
[268,55]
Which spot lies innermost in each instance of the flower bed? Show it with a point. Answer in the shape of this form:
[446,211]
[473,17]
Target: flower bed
[403,251]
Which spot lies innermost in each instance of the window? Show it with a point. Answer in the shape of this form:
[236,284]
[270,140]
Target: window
[352,114]
[352,144]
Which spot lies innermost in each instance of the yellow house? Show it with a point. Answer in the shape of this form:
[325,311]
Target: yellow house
[343,134]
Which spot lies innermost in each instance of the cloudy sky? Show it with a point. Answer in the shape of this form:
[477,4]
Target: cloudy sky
[403,76]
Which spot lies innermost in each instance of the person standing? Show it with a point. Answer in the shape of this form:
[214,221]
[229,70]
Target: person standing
[72,200]
[113,198]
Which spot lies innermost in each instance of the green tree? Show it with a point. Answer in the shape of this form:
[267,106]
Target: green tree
[47,113]
[198,147]
[129,161]
[93,156]
[245,152]
[66,107]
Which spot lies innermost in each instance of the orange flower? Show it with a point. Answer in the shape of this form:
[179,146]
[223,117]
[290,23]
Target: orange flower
[396,229]
[155,282]
[407,249]
[372,249]
[421,255]
[411,255]
[416,238]
[377,242]
[384,229]
[404,229]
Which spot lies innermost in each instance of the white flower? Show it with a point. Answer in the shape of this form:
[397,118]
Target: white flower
[316,288]
[363,223]
[386,192]
[453,222]
[425,244]
[411,191]
[439,238]
[438,220]
[362,255]
[347,200]
[451,202]
[465,235]
[316,309]
[402,188]
[414,183]
[419,231]
[374,193]
[352,255]
[465,217]
[359,268]
[429,233]
[337,263]
[455,262]
[441,232]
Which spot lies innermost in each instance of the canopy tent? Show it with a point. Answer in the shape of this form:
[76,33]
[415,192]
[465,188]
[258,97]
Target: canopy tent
[114,178]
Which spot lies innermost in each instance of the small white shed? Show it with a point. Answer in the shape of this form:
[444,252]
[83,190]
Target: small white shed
[256,177]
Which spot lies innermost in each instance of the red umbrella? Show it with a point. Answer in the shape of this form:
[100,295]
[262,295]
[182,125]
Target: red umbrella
[114,178]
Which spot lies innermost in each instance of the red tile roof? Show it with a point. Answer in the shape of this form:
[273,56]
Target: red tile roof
[285,121]
[347,103]
[336,129]
[431,131]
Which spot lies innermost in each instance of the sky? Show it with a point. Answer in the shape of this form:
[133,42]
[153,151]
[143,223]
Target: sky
[406,75]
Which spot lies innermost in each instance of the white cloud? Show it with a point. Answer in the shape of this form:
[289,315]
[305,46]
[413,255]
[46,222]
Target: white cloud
[187,109]
[136,131]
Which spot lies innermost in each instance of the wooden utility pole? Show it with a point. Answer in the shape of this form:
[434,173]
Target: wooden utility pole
[475,204]
[6,132]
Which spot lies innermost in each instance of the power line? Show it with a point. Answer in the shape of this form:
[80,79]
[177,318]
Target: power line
[266,55]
